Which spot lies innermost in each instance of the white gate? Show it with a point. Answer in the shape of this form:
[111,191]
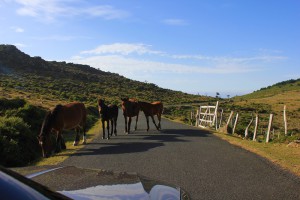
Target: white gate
[207,116]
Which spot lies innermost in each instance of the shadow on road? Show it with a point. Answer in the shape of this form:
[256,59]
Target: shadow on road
[119,148]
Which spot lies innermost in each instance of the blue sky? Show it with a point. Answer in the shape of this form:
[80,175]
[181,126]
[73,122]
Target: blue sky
[232,47]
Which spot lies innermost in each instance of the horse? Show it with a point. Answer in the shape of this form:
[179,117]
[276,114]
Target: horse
[151,109]
[109,114]
[62,117]
[130,109]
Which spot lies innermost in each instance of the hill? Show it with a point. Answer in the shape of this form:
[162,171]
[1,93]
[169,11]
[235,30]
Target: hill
[40,81]
[276,89]
[272,99]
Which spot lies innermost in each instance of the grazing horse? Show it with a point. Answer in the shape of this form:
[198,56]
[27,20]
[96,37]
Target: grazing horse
[130,109]
[70,116]
[151,109]
[109,114]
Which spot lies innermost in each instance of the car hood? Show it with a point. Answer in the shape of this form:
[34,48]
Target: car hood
[84,184]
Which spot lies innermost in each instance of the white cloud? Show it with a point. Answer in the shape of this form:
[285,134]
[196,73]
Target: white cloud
[123,49]
[20,45]
[17,29]
[52,9]
[175,22]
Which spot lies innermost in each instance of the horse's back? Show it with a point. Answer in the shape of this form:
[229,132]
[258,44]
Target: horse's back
[131,108]
[114,111]
[74,114]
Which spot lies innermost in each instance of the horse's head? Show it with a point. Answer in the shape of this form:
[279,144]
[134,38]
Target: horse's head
[125,103]
[100,106]
[44,136]
[45,143]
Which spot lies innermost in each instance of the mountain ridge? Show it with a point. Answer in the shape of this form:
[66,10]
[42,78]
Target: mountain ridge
[76,82]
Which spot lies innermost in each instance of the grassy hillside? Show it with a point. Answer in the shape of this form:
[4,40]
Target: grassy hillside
[46,83]
[265,101]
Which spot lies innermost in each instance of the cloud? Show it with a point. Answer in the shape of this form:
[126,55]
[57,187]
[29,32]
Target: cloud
[175,22]
[17,29]
[137,61]
[52,9]
[123,49]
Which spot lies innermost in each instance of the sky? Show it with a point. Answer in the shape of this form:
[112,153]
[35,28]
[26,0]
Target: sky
[232,47]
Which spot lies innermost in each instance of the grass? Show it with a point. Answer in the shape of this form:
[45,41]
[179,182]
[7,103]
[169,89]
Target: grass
[63,155]
[279,153]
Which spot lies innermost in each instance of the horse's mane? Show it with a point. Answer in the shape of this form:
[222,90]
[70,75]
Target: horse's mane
[50,117]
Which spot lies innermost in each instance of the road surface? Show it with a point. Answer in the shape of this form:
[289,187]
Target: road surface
[199,162]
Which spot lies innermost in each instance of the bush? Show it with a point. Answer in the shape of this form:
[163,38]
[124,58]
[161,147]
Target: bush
[18,145]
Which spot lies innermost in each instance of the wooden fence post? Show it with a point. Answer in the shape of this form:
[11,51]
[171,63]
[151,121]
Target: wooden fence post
[221,115]
[269,128]
[255,128]
[235,122]
[284,119]
[247,128]
[197,118]
[228,121]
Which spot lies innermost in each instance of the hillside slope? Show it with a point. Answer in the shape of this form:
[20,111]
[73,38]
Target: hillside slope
[38,80]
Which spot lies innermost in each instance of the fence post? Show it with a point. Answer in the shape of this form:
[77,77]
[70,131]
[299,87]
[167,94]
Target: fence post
[246,131]
[221,115]
[228,121]
[255,128]
[235,122]
[284,119]
[197,120]
[215,118]
[269,128]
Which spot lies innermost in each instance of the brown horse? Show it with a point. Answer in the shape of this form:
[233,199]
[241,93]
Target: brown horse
[130,109]
[108,114]
[151,109]
[70,116]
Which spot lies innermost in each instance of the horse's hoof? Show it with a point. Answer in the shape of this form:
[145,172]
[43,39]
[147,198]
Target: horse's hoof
[75,143]
[103,138]
[108,138]
[84,142]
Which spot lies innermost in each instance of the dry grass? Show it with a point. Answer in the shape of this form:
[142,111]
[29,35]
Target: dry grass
[281,154]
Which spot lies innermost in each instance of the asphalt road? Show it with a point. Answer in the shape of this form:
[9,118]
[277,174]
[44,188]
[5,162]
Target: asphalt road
[199,162]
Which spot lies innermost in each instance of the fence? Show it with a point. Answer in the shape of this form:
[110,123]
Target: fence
[207,116]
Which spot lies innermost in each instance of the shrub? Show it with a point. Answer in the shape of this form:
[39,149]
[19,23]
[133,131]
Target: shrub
[18,145]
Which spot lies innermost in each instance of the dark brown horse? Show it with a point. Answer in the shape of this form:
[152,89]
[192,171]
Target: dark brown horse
[70,116]
[108,114]
[151,109]
[130,109]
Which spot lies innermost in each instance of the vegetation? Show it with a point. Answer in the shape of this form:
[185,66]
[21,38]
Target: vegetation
[30,86]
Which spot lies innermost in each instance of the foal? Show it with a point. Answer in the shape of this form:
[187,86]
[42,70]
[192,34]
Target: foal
[109,114]
[151,109]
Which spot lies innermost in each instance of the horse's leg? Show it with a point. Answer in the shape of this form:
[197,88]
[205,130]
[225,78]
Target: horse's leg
[154,122]
[129,124]
[115,123]
[62,142]
[76,137]
[126,130]
[84,134]
[147,119]
[58,142]
[136,121]
[159,119]
[103,129]
[112,127]
[107,129]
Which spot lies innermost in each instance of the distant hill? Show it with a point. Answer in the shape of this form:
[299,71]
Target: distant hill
[276,89]
[33,77]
